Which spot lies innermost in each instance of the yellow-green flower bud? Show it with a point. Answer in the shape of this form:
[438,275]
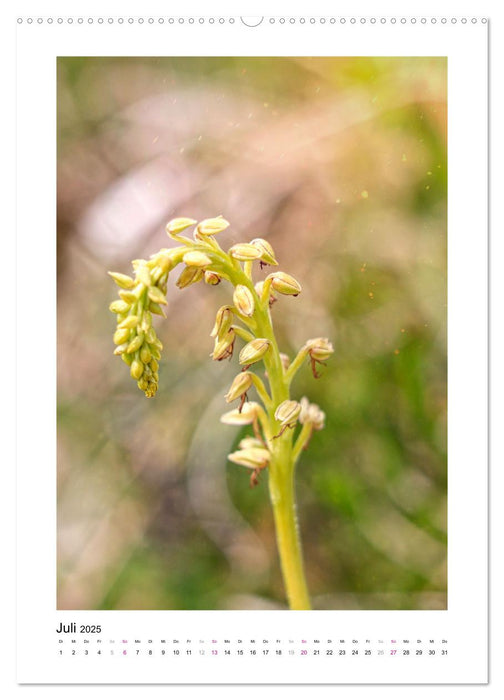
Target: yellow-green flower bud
[128,359]
[189,275]
[137,369]
[139,262]
[223,347]
[156,309]
[136,343]
[150,335]
[267,253]
[164,261]
[123,281]
[143,275]
[244,251]
[196,258]
[319,348]
[129,322]
[146,320]
[119,306]
[284,283]
[253,457]
[120,349]
[176,226]
[212,278]
[138,289]
[254,351]
[250,442]
[154,365]
[287,412]
[145,354]
[223,322]
[211,227]
[121,336]
[311,413]
[128,297]
[143,384]
[155,352]
[156,273]
[157,296]
[243,300]
[247,415]
[239,386]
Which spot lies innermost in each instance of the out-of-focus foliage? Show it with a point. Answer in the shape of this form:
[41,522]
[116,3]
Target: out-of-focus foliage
[341,164]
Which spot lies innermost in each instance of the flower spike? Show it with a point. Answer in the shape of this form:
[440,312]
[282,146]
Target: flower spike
[280,427]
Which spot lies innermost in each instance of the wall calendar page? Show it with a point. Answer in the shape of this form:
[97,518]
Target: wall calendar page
[251,458]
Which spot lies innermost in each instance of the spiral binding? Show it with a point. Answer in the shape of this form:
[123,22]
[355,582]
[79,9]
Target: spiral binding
[251,22]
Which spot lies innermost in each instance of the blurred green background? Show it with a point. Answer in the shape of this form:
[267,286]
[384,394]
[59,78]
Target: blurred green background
[341,164]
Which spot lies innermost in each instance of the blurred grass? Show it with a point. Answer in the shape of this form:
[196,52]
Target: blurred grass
[341,163]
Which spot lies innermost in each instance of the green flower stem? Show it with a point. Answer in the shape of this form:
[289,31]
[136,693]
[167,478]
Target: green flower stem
[261,390]
[243,334]
[302,440]
[295,365]
[264,421]
[281,476]
[266,291]
[281,486]
[247,268]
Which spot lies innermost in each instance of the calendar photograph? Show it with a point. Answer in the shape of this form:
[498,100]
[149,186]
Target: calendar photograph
[251,333]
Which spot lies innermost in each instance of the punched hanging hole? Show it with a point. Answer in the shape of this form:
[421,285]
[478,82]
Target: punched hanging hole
[251,21]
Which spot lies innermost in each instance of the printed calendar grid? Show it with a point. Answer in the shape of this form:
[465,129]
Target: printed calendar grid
[253,647]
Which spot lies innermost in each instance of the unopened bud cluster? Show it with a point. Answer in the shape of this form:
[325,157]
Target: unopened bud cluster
[135,338]
[246,318]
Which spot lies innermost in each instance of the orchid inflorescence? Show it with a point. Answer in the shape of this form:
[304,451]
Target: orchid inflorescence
[247,317]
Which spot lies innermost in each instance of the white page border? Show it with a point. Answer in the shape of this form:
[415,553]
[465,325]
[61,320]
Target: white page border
[38,45]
